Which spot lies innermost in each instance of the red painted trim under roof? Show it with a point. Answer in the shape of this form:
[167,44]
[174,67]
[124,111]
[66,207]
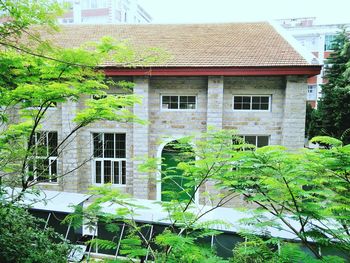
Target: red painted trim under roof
[214,71]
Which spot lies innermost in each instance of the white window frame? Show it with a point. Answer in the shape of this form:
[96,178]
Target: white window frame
[251,102]
[50,159]
[178,102]
[112,160]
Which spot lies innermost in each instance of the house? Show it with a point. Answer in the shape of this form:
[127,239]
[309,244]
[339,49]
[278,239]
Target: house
[245,76]
[317,38]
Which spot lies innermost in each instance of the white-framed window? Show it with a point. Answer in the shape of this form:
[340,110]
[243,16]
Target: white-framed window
[109,162]
[312,92]
[257,140]
[251,102]
[43,165]
[178,102]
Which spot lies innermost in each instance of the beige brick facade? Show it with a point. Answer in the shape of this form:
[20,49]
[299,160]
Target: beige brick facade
[284,123]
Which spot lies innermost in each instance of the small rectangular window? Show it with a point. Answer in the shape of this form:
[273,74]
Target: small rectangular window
[179,102]
[251,102]
[109,150]
[256,140]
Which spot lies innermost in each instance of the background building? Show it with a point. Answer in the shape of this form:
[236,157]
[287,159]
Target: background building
[104,12]
[317,39]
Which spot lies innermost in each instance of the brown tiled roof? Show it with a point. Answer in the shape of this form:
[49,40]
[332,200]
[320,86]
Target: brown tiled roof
[196,45]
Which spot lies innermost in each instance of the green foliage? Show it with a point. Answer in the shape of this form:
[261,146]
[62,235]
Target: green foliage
[24,240]
[326,141]
[36,76]
[333,115]
[253,250]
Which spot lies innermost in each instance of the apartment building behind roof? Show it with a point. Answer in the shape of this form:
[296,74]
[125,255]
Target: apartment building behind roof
[317,38]
[104,12]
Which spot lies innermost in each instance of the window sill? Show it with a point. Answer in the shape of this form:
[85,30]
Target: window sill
[176,110]
[112,185]
[252,111]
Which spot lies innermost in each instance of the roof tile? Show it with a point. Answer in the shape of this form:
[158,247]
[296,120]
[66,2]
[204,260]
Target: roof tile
[195,45]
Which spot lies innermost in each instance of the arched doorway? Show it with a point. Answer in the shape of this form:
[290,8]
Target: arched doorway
[174,183]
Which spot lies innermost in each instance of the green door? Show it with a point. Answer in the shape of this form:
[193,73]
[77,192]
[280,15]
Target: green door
[173,179]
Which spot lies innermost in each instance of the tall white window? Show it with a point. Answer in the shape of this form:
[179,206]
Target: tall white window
[252,102]
[179,102]
[43,165]
[109,150]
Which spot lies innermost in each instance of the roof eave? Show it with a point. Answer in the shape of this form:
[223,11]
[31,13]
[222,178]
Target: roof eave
[311,70]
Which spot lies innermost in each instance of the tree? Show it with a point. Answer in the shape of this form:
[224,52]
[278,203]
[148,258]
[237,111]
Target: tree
[304,193]
[334,106]
[24,240]
[37,75]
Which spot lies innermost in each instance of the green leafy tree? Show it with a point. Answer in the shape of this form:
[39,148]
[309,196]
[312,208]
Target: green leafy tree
[23,238]
[309,188]
[305,193]
[334,106]
[37,75]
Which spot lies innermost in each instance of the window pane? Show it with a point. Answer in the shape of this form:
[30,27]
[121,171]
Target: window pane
[98,144]
[174,99]
[264,106]
[41,144]
[107,171]
[98,172]
[255,106]
[42,170]
[256,99]
[250,139]
[246,106]
[246,99]
[53,168]
[166,99]
[109,145]
[120,147]
[183,99]
[116,173]
[191,99]
[174,102]
[263,141]
[264,99]
[52,138]
[238,99]
[174,105]
[238,106]
[30,170]
[123,172]
[183,105]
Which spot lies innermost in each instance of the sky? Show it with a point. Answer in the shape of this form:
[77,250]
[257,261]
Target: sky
[219,11]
